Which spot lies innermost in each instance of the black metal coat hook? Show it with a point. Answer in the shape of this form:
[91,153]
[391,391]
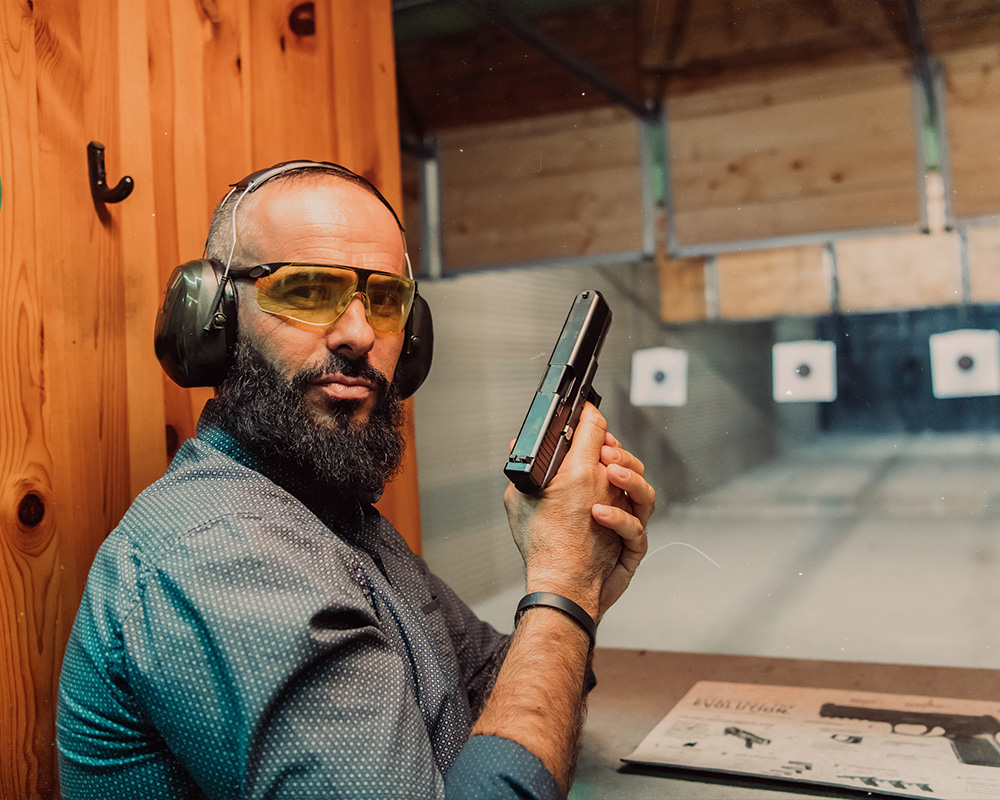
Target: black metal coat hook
[98,180]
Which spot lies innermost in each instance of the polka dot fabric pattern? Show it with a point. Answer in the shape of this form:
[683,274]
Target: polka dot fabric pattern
[246,634]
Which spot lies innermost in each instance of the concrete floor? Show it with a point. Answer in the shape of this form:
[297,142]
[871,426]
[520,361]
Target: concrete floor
[881,549]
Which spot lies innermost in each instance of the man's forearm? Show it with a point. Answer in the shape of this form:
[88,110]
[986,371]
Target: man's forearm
[538,697]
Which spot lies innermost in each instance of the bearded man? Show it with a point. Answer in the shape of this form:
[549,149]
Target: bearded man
[254,628]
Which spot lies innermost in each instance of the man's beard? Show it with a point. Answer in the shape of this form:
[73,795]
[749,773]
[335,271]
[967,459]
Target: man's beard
[268,411]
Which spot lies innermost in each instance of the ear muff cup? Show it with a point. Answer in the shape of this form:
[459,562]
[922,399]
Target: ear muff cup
[418,349]
[194,356]
[194,350]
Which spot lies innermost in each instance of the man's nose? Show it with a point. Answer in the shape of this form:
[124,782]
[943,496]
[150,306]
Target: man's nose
[351,333]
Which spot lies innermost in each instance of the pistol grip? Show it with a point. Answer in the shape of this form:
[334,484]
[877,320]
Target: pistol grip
[977,752]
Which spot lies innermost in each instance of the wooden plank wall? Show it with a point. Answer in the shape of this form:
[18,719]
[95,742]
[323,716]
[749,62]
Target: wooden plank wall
[873,274]
[554,187]
[972,107]
[877,273]
[767,283]
[692,46]
[740,168]
[899,272]
[830,150]
[187,97]
[983,247]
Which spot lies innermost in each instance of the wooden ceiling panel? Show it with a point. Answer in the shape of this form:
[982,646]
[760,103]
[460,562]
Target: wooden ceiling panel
[488,75]
[960,24]
[652,47]
[692,44]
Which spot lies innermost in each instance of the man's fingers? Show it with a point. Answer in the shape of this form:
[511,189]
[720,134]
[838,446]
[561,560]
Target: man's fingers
[615,454]
[629,527]
[641,495]
[590,434]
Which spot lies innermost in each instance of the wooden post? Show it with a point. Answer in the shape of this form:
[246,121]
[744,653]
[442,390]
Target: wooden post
[186,97]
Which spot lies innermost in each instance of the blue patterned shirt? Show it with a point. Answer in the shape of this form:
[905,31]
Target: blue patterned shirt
[246,634]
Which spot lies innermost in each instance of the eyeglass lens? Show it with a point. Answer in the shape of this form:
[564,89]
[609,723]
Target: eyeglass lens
[320,295]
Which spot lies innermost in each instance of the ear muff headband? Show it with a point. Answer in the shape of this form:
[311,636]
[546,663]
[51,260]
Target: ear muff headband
[196,325]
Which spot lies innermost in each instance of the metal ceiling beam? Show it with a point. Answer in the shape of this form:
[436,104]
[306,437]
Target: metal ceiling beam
[406,5]
[413,137]
[494,12]
[921,55]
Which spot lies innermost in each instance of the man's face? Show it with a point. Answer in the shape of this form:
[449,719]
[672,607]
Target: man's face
[328,221]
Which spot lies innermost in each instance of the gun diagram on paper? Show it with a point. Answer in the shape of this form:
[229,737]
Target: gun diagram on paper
[973,738]
[750,739]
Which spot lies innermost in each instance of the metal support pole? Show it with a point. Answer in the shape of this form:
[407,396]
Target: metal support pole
[430,195]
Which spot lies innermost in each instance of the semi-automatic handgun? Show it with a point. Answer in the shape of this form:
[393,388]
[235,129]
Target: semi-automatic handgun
[548,428]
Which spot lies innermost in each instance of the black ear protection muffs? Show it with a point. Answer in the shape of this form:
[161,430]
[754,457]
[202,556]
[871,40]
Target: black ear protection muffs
[196,325]
[194,341]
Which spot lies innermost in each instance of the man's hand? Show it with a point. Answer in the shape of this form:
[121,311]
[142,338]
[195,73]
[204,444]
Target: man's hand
[584,534]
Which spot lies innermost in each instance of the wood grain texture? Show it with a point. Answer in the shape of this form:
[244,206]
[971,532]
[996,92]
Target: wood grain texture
[291,113]
[487,75]
[363,76]
[769,283]
[794,156]
[984,263]
[141,283]
[682,289]
[695,45]
[73,475]
[201,144]
[895,272]
[25,463]
[690,46]
[555,188]
[960,24]
[363,85]
[972,102]
[662,47]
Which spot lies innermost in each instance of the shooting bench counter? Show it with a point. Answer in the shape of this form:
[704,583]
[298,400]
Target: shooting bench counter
[636,688]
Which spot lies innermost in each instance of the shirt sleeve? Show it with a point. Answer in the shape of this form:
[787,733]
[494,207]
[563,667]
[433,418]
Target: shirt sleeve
[501,769]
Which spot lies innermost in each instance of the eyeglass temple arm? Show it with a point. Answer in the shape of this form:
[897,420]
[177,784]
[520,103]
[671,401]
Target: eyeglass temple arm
[216,319]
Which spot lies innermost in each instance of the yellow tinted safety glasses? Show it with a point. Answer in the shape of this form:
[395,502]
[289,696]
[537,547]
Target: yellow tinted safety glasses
[318,294]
